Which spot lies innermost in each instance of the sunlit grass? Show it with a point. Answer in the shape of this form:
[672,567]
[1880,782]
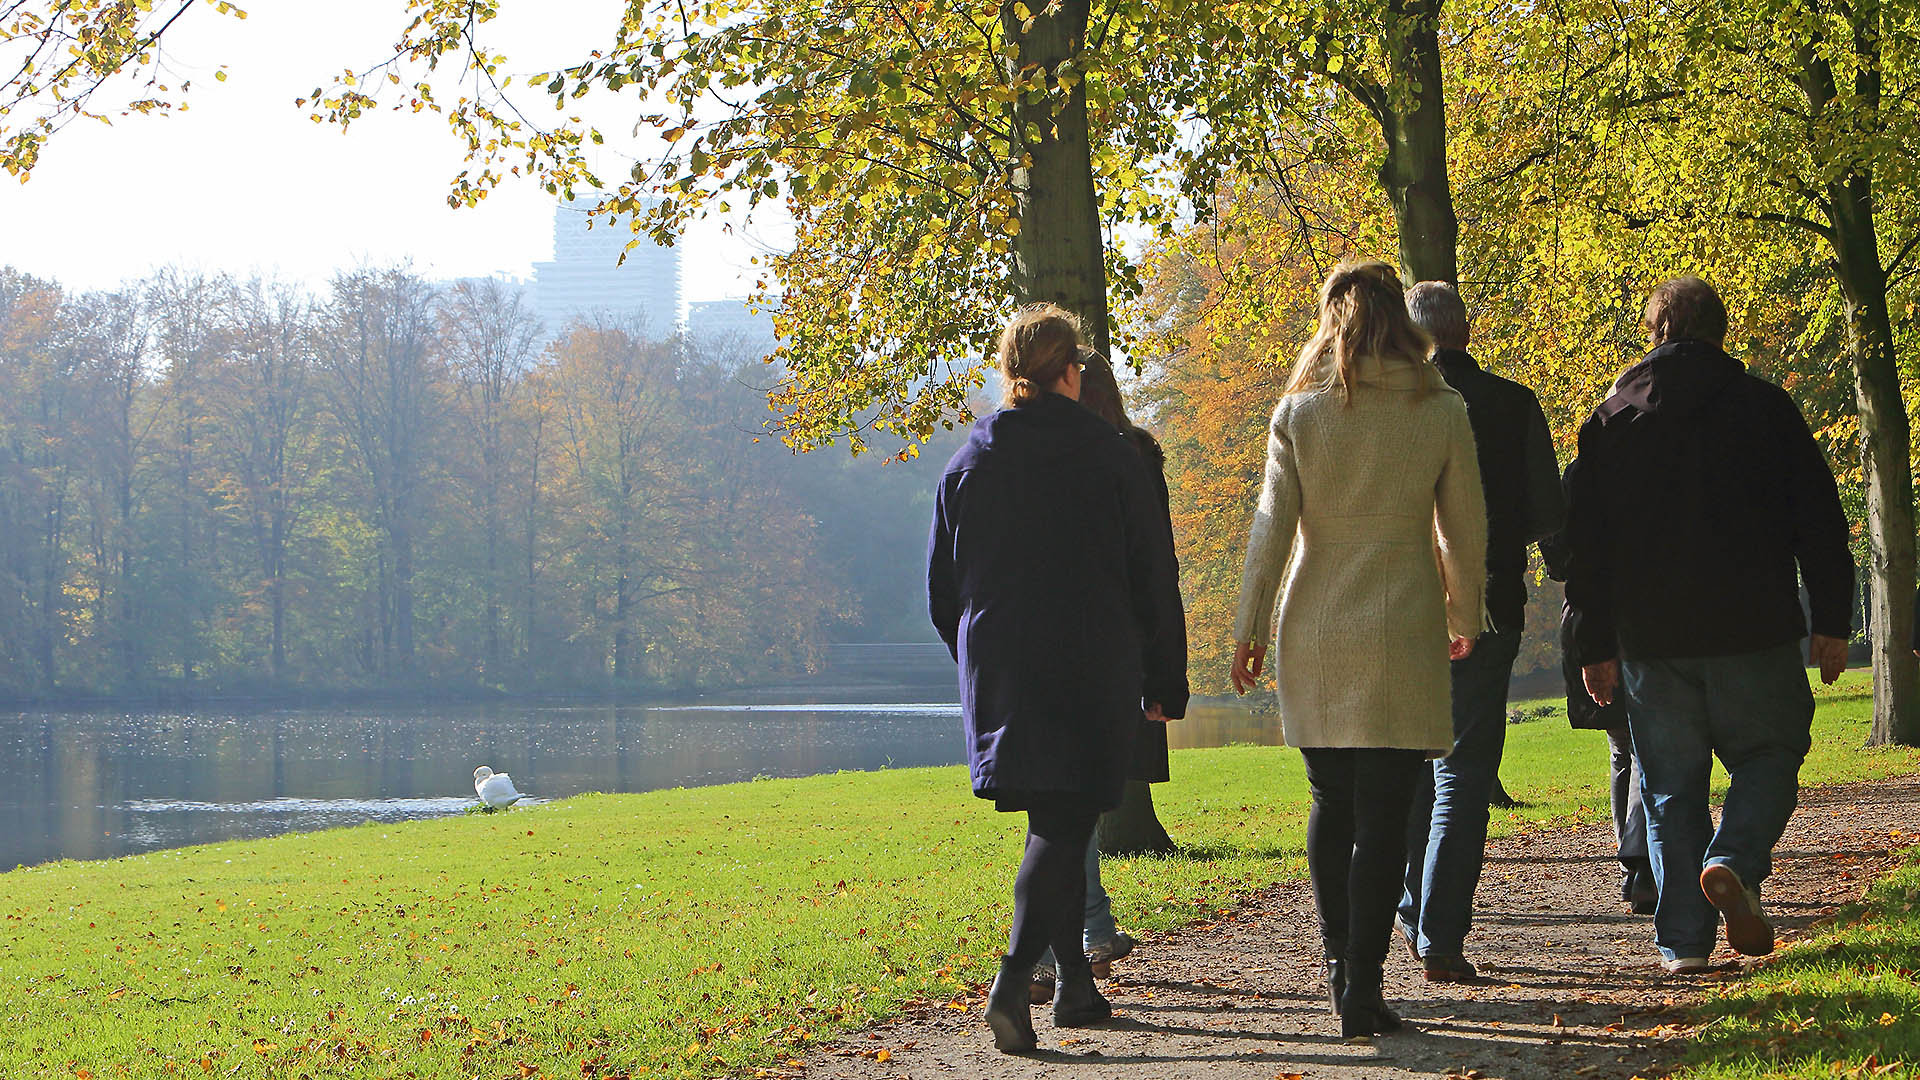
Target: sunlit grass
[1843,1003]
[675,933]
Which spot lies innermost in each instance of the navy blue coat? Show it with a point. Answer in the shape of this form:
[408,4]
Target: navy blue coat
[1051,577]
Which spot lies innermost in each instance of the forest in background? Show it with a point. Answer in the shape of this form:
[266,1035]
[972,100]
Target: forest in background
[211,485]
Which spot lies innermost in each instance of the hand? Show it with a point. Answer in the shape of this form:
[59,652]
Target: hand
[1603,680]
[1460,648]
[1154,714]
[1247,661]
[1829,654]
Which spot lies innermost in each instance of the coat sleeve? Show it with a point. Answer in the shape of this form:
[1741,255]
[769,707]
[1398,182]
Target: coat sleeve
[1460,523]
[1820,529]
[1546,503]
[1275,518]
[1589,571]
[1554,551]
[943,591]
[1154,572]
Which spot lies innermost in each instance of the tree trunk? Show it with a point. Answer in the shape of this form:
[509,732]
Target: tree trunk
[1415,172]
[1885,451]
[1133,828]
[1059,254]
[403,596]
[532,538]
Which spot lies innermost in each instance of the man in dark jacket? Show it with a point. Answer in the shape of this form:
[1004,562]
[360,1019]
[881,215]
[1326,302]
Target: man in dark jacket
[1447,831]
[1697,493]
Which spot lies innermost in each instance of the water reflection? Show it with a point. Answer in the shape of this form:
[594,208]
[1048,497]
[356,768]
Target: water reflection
[92,785]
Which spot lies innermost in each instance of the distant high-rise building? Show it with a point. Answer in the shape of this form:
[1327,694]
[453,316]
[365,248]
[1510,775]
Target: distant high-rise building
[587,278]
[733,326]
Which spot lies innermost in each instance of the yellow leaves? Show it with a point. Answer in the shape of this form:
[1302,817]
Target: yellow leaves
[263,1047]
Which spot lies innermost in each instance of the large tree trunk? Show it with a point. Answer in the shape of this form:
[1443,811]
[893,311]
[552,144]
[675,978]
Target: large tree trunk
[1885,451]
[1059,253]
[1133,828]
[1413,122]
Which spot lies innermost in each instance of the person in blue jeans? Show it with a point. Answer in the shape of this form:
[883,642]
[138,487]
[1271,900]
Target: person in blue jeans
[1447,827]
[1700,505]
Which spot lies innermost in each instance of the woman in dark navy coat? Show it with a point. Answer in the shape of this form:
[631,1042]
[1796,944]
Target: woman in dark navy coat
[1051,577]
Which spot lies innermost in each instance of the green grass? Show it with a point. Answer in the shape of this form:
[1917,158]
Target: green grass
[1843,1003]
[675,933]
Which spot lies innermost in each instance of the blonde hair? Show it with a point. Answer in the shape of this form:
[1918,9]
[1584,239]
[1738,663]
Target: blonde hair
[1035,349]
[1363,315]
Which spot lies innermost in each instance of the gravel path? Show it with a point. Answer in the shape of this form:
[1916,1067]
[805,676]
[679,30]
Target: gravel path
[1570,985]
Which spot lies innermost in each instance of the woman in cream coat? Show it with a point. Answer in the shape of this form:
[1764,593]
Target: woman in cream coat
[1372,512]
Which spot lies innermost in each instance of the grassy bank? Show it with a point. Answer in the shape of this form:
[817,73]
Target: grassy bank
[1843,1003]
[675,933]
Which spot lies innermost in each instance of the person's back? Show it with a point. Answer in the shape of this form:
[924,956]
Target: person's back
[1364,574]
[1717,502]
[1447,830]
[1051,576]
[1044,556]
[1697,494]
[1370,461]
[1517,471]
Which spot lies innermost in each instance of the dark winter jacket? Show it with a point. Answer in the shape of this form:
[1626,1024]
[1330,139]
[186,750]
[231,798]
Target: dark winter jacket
[1051,577]
[1150,758]
[1518,473]
[1697,490]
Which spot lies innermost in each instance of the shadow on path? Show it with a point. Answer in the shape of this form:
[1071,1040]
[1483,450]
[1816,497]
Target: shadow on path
[1570,985]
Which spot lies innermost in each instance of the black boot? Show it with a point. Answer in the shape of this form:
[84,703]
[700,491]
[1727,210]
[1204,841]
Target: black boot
[1009,1012]
[1362,1011]
[1641,889]
[1336,982]
[1076,1001]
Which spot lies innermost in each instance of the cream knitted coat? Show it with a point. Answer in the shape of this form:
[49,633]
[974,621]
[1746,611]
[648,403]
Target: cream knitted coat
[1384,497]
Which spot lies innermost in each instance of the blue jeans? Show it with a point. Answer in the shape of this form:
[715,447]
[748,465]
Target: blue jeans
[1100,927]
[1755,711]
[1447,827]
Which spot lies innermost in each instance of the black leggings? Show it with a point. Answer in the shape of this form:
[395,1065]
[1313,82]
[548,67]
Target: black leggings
[1050,891]
[1357,847]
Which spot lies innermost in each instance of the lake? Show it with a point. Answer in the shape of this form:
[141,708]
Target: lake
[95,784]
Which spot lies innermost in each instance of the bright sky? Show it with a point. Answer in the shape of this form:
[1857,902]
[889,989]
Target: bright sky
[244,182]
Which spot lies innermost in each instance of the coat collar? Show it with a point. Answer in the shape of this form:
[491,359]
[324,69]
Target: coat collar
[1455,362]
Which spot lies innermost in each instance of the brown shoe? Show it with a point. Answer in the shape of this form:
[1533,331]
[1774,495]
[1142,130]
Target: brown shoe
[1448,969]
[1748,929]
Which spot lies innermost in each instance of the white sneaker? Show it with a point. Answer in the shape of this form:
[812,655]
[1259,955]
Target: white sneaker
[1684,965]
[1748,929]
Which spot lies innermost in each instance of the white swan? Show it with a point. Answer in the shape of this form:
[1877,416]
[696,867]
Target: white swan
[494,788]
